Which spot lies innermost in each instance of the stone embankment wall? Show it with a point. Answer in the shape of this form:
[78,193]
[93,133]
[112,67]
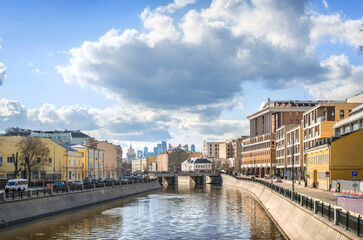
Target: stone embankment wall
[12,212]
[294,221]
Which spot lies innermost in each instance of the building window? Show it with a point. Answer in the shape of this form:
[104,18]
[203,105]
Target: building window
[50,160]
[1,161]
[38,160]
[35,175]
[341,113]
[70,175]
[10,160]
[291,121]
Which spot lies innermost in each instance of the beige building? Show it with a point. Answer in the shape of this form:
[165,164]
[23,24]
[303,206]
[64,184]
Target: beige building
[171,161]
[225,150]
[211,149]
[259,151]
[112,159]
[139,165]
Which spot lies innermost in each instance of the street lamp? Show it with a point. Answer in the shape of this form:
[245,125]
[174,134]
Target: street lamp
[292,158]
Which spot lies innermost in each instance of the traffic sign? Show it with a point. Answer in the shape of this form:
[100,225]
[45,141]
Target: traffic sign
[327,174]
[307,176]
[354,173]
[271,172]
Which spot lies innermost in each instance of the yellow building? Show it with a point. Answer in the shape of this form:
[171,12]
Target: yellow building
[317,166]
[335,159]
[63,162]
[93,161]
[346,155]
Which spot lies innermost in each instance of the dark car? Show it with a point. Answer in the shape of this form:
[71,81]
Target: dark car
[87,181]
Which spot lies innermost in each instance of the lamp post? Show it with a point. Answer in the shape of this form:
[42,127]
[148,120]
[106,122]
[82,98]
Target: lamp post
[292,158]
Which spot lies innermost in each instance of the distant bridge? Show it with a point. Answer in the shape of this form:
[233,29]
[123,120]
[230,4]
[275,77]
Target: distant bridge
[183,177]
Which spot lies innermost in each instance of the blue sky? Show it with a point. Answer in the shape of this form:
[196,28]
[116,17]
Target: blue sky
[182,71]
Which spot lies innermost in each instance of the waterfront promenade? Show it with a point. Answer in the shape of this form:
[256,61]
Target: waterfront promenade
[323,195]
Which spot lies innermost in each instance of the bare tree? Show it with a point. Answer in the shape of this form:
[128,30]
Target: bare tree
[34,152]
[16,165]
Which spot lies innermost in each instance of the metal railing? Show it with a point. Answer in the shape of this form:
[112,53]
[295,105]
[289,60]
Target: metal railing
[344,218]
[19,195]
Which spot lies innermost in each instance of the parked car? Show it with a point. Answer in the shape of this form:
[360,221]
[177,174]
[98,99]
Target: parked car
[16,185]
[267,176]
[78,182]
[110,180]
[101,179]
[125,179]
[278,179]
[59,184]
[87,181]
[94,181]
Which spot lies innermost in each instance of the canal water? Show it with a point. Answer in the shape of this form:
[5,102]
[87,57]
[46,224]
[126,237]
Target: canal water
[180,212]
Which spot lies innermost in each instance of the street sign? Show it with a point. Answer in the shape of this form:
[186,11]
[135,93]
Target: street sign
[307,176]
[327,174]
[354,173]
[271,172]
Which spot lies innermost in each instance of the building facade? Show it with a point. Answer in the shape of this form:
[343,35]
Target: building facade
[63,163]
[211,149]
[171,161]
[196,165]
[352,123]
[259,151]
[93,161]
[112,159]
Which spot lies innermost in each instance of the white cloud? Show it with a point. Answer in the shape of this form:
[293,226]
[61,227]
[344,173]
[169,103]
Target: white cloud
[325,4]
[2,73]
[335,29]
[342,79]
[179,73]
[177,4]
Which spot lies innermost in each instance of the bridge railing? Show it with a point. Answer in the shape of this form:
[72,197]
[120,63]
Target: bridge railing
[19,195]
[341,217]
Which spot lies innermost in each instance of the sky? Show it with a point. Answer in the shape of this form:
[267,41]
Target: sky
[183,71]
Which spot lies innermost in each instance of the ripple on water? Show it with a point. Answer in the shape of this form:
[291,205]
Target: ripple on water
[183,212]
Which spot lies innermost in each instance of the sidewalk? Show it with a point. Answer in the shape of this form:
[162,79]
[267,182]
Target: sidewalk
[323,195]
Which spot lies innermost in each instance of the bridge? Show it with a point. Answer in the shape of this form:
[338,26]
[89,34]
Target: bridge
[166,179]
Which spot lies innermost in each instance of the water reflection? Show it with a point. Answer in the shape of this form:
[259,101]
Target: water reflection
[181,212]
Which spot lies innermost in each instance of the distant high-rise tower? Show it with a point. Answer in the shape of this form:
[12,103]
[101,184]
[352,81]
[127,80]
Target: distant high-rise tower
[163,146]
[186,147]
[139,153]
[146,151]
[130,155]
[192,148]
[155,151]
[159,147]
[170,147]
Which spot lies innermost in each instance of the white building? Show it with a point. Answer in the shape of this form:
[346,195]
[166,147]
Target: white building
[139,165]
[196,165]
[350,124]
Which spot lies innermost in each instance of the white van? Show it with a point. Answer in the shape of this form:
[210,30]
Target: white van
[16,185]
